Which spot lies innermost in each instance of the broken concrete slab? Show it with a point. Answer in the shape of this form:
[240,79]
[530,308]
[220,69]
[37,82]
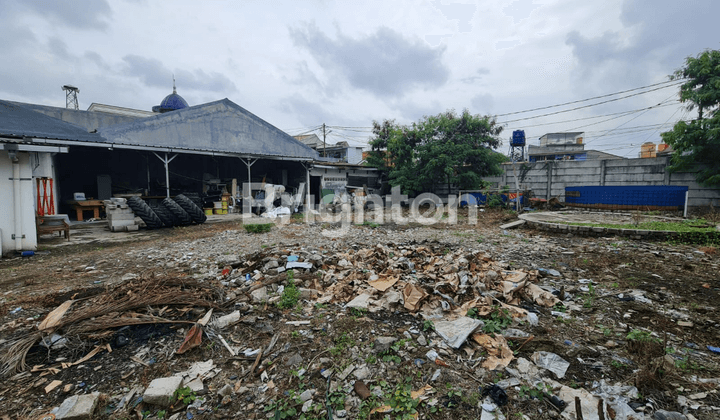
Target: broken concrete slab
[363,372]
[382,344]
[259,295]
[513,225]
[78,407]
[226,320]
[161,390]
[295,264]
[456,332]
[361,301]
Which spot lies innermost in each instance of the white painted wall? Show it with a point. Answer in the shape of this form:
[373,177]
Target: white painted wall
[335,179]
[354,155]
[7,208]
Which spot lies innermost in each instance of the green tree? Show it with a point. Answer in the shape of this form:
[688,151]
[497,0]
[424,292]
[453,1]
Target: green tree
[444,149]
[698,142]
[378,156]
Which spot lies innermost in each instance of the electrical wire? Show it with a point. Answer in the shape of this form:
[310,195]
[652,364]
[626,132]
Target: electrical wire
[670,82]
[584,106]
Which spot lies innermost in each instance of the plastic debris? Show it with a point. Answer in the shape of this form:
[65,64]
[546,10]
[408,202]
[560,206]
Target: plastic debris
[551,362]
[497,394]
[456,332]
[713,349]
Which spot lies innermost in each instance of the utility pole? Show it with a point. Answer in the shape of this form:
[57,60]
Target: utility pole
[324,143]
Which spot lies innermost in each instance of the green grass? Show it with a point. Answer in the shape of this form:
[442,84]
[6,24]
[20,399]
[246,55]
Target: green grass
[680,226]
[258,228]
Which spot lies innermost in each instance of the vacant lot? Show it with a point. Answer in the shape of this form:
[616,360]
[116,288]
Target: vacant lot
[628,322]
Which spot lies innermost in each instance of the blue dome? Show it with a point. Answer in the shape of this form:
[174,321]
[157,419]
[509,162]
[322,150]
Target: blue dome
[172,102]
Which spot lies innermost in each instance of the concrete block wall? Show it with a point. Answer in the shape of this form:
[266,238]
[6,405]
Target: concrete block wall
[120,216]
[549,179]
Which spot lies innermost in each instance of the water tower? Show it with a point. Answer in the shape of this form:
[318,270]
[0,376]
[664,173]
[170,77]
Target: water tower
[517,146]
[71,92]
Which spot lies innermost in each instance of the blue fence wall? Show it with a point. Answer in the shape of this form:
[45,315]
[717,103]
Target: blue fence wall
[637,195]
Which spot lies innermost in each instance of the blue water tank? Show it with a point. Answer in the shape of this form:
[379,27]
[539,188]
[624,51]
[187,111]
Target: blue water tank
[518,138]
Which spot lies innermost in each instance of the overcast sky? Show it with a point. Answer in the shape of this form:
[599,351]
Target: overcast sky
[299,64]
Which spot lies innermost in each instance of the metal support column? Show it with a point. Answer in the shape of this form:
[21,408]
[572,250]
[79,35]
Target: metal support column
[308,205]
[166,161]
[248,163]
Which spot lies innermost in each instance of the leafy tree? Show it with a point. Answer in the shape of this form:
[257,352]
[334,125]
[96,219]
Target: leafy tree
[698,141]
[378,156]
[444,149]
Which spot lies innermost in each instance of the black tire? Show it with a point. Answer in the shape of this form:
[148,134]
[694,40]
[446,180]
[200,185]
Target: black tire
[181,216]
[164,215]
[197,214]
[143,211]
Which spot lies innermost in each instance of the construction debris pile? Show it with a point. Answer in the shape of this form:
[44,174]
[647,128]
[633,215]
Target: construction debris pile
[398,329]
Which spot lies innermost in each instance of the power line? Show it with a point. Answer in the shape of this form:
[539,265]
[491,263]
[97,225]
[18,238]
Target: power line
[588,99]
[631,119]
[621,114]
[585,106]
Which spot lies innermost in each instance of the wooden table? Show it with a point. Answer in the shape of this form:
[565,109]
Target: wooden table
[87,205]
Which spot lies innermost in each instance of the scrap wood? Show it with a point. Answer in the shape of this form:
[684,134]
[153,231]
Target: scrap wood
[257,361]
[525,342]
[49,370]
[270,346]
[138,360]
[87,357]
[53,318]
[54,384]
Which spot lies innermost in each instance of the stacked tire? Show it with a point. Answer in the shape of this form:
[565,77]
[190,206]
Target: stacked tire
[180,211]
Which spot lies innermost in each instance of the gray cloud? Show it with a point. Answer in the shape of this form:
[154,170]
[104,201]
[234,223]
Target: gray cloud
[659,40]
[96,59]
[58,48]
[199,80]
[413,111]
[385,63]
[302,75]
[308,113]
[483,103]
[83,14]
[479,74]
[153,73]
[150,71]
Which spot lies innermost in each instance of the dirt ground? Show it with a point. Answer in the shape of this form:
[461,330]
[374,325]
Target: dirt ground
[638,314]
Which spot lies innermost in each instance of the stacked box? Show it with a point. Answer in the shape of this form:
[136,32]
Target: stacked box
[120,216]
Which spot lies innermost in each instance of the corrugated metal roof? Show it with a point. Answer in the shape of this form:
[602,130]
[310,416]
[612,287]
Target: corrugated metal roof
[220,126]
[19,121]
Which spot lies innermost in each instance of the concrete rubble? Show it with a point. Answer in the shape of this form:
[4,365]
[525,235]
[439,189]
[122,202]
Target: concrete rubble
[381,319]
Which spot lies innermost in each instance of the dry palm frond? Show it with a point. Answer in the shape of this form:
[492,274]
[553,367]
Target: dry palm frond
[112,321]
[113,308]
[14,358]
